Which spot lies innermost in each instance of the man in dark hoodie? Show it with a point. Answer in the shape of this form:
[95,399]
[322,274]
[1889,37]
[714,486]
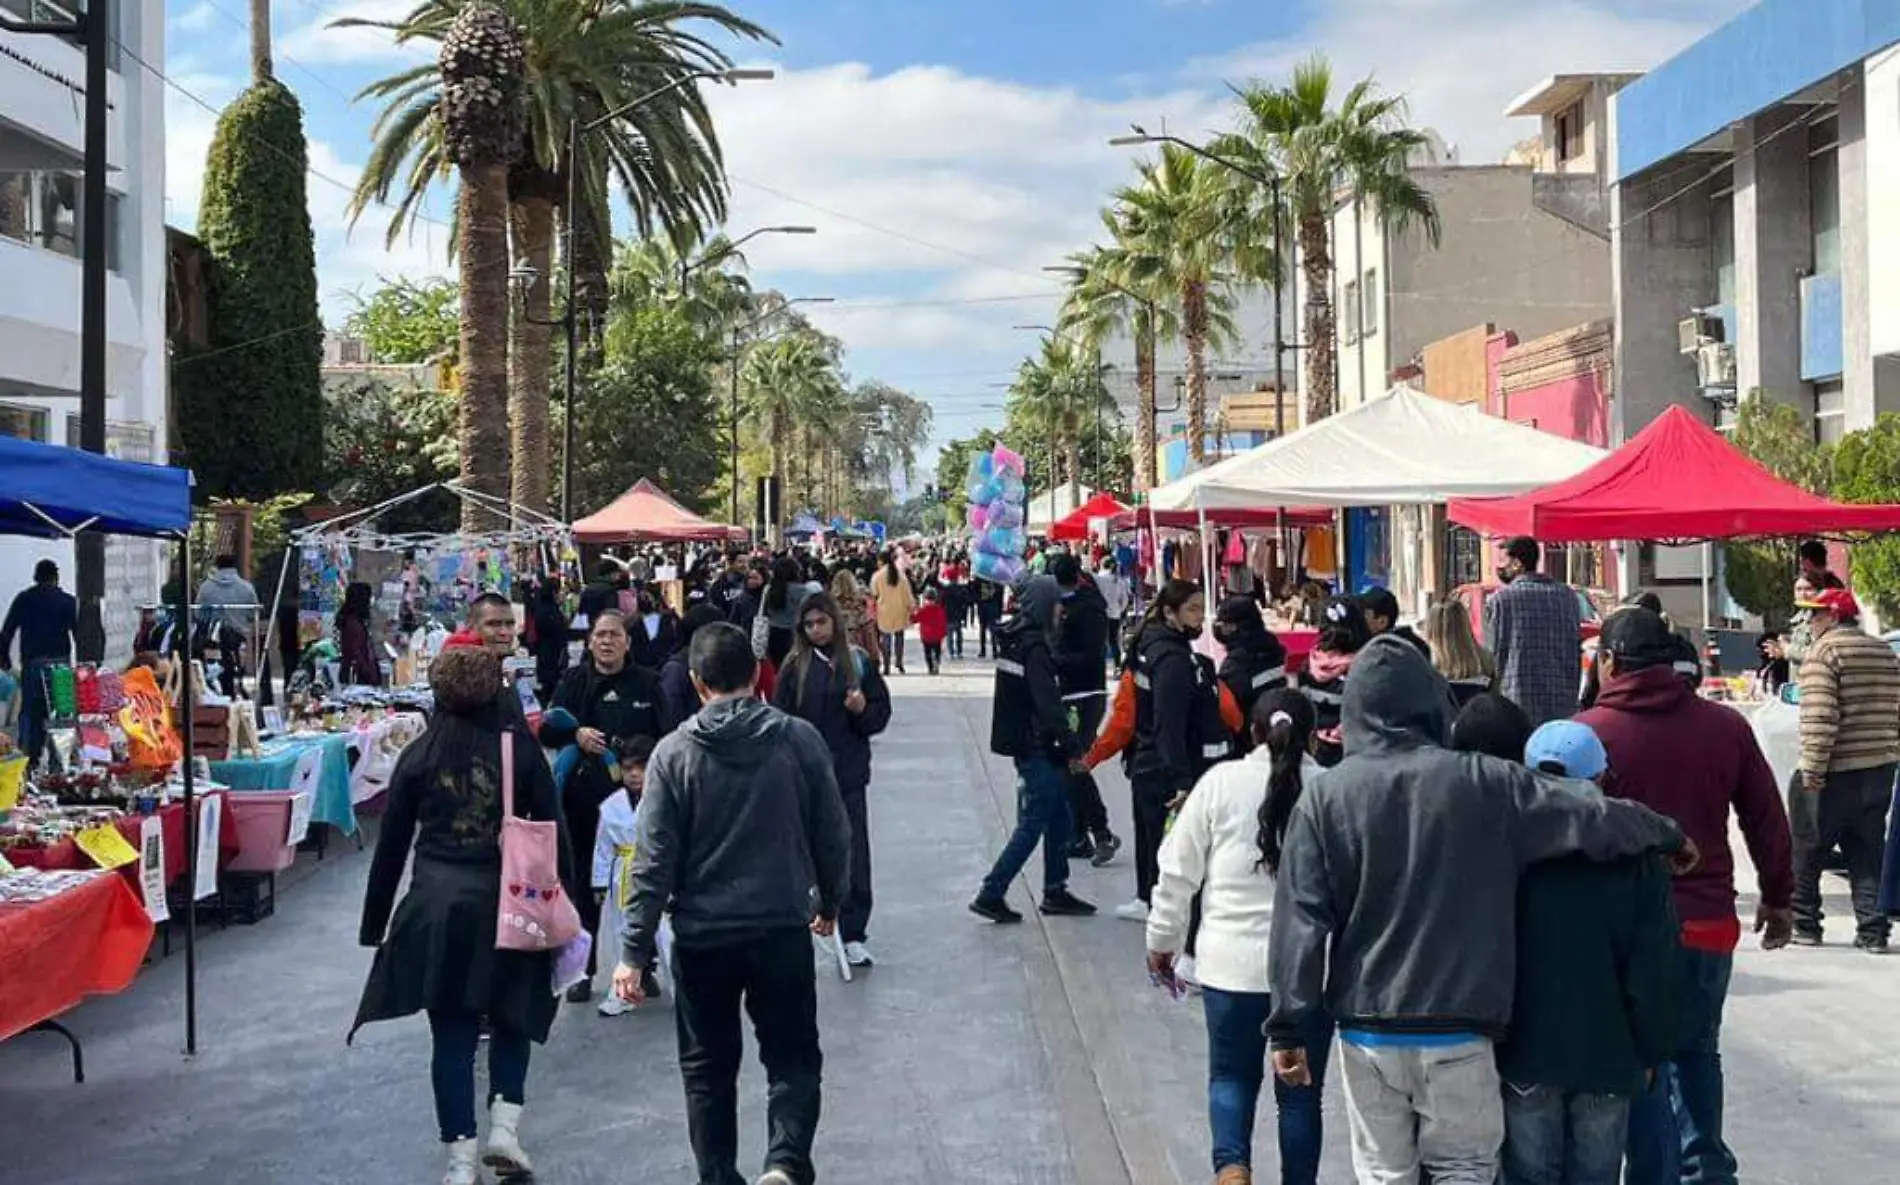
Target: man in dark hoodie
[1693,761]
[1079,646]
[743,838]
[1255,662]
[1395,911]
[1030,723]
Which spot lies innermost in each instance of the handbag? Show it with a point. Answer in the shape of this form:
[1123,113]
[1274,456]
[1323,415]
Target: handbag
[535,913]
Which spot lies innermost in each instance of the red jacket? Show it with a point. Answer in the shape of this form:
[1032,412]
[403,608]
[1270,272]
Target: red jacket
[1693,760]
[932,623]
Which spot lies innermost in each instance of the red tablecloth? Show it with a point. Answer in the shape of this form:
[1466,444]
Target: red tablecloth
[87,941]
[66,853]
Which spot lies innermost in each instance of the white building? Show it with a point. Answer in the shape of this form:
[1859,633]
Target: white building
[42,114]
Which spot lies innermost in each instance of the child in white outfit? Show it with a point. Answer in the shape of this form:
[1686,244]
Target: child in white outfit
[613,865]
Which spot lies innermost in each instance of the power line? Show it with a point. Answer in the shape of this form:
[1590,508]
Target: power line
[278,55]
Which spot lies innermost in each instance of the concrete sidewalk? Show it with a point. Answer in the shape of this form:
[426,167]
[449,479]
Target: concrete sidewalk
[973,1054]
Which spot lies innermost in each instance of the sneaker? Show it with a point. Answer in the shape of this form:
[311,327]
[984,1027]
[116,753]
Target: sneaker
[1873,946]
[1134,911]
[612,1005]
[857,954]
[503,1152]
[995,909]
[464,1164]
[1060,903]
[776,1177]
[1105,849]
[580,993]
[1808,938]
[1081,849]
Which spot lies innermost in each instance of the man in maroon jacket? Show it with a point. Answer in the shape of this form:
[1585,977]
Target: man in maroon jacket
[1692,761]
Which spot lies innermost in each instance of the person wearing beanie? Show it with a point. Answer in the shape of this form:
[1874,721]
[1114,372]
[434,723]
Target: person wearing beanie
[1255,662]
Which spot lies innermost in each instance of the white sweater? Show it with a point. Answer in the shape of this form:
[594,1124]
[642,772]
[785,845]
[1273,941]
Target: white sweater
[1213,848]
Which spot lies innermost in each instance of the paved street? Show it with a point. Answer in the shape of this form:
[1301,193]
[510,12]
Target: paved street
[1033,1054]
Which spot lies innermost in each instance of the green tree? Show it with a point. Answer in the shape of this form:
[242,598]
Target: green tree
[785,381]
[652,411]
[1867,470]
[1760,575]
[953,470]
[1176,240]
[252,404]
[1297,132]
[408,320]
[1056,403]
[382,440]
[1105,299]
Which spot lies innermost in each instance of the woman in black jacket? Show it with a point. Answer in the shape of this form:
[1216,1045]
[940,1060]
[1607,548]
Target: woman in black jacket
[677,696]
[836,687]
[1255,662]
[610,699]
[1178,728]
[438,954]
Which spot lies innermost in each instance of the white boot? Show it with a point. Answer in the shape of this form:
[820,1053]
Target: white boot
[462,1170]
[504,1153]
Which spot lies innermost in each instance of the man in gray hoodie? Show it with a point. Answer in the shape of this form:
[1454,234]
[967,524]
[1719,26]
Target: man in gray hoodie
[228,611]
[1395,912]
[743,838]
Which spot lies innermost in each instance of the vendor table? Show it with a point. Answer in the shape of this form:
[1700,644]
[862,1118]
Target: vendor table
[171,821]
[276,769]
[86,941]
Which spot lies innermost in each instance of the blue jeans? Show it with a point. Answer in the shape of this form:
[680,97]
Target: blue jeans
[452,1069]
[1236,1068]
[1559,1137]
[1042,816]
[1676,1126]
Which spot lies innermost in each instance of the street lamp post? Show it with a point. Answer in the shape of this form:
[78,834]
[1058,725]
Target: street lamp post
[569,320]
[1272,182]
[689,266]
[737,332]
[1144,352]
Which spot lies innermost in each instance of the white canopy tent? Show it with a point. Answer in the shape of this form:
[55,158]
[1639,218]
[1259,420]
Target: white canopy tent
[1403,448]
[1052,506]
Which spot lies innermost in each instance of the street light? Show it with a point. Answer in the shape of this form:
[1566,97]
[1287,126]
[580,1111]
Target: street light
[688,267]
[569,320]
[1139,136]
[737,331]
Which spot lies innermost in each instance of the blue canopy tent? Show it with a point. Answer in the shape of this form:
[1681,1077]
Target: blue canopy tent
[49,492]
[804,525]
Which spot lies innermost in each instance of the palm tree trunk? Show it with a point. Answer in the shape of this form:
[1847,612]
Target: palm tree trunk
[1194,329]
[1074,458]
[482,215]
[1316,259]
[593,257]
[260,40]
[531,356]
[1145,475]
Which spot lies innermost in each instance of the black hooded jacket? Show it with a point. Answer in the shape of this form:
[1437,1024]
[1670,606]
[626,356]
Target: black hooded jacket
[1027,715]
[1178,729]
[1082,641]
[1255,664]
[814,692]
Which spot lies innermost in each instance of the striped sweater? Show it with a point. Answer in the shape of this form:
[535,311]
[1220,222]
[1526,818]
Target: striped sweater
[1850,703]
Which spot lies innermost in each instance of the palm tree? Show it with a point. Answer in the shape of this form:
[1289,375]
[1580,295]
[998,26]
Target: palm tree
[1056,397]
[784,379]
[1172,226]
[584,59]
[707,283]
[481,110]
[1316,148]
[1102,303]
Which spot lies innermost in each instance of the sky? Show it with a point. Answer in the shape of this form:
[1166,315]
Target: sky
[945,150]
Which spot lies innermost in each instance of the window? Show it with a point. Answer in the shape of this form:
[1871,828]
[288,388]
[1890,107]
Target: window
[1824,195]
[1722,244]
[1569,133]
[1349,312]
[1830,412]
[22,422]
[42,210]
[1369,319]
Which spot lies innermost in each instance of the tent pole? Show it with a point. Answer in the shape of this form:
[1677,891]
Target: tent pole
[187,705]
[270,623]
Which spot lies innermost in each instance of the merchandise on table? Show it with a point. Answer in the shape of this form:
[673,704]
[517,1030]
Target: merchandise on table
[26,885]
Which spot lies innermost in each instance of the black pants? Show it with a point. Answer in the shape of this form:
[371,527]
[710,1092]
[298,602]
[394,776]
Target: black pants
[893,649]
[955,636]
[854,916]
[452,1069]
[1151,792]
[1850,811]
[771,975]
[582,812]
[933,656]
[1086,808]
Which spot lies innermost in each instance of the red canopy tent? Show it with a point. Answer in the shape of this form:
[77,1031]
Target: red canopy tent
[1677,479]
[646,514]
[1075,524]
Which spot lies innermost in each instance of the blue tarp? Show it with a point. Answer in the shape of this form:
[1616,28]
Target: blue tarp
[78,489]
[804,525]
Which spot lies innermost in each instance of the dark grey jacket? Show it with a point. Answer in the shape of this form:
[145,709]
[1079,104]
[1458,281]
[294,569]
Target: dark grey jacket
[1404,858]
[742,831]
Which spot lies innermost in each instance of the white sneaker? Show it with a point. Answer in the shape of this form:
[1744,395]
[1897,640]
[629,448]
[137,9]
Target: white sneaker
[612,1005]
[1134,911]
[776,1177]
[462,1170]
[504,1153]
[857,954]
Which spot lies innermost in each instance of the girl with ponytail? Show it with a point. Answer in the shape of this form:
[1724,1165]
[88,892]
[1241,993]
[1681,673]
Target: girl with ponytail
[1225,845]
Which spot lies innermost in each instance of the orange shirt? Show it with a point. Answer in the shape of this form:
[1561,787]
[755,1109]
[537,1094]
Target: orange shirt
[1119,731]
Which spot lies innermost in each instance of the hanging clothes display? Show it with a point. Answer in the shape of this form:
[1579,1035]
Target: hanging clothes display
[1322,554]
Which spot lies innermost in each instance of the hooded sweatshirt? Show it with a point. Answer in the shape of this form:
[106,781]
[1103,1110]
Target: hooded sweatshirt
[1179,733]
[1027,716]
[1395,907]
[226,587]
[742,831]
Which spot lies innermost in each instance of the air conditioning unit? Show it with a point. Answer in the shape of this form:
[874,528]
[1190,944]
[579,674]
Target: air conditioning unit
[1693,332]
[1715,368]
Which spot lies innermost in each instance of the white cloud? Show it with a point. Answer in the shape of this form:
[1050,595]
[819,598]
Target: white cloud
[1461,62]
[315,42]
[195,19]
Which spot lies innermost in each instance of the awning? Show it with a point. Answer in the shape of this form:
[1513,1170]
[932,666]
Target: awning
[646,514]
[1075,524]
[1677,479]
[49,491]
[1403,448]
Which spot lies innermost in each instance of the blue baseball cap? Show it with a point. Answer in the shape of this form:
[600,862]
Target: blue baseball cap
[1572,747]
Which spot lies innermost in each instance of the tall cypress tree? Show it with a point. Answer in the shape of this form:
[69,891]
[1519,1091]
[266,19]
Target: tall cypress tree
[252,406]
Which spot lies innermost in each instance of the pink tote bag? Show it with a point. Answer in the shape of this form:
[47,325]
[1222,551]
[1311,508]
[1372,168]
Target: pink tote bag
[535,912]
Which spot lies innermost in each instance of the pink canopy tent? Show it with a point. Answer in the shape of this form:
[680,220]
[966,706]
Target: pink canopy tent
[646,514]
[1075,524]
[1677,479]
